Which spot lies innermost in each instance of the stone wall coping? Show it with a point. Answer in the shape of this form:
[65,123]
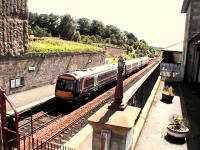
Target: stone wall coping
[119,122]
[30,55]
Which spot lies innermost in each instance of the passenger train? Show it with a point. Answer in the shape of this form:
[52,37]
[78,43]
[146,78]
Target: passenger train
[74,85]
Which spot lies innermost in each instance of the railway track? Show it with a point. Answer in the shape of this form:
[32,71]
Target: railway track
[79,119]
[63,128]
[36,123]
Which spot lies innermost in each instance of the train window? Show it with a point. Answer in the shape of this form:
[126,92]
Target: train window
[89,82]
[65,85]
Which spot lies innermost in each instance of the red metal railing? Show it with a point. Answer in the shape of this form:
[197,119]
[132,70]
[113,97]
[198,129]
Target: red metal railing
[29,143]
[20,141]
[4,123]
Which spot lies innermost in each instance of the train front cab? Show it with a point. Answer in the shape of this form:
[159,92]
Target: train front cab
[66,87]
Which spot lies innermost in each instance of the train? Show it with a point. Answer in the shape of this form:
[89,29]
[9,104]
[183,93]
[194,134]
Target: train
[74,85]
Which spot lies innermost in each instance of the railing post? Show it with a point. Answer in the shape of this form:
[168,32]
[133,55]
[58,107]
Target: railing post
[117,104]
[1,138]
[3,119]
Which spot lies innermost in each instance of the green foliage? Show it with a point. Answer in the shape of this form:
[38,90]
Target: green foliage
[77,37]
[178,123]
[84,26]
[105,45]
[49,22]
[54,21]
[93,38]
[67,27]
[88,32]
[107,40]
[40,32]
[97,28]
[52,45]
[99,39]
[86,39]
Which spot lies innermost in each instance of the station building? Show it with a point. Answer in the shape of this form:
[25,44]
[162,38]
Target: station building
[192,40]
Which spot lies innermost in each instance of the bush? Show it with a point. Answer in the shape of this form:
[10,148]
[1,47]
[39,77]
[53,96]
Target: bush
[40,32]
[93,38]
[77,36]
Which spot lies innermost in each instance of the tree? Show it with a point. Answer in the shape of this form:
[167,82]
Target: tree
[77,36]
[132,36]
[97,28]
[53,25]
[67,27]
[110,29]
[130,42]
[86,39]
[49,22]
[99,39]
[113,39]
[33,19]
[43,21]
[40,32]
[93,38]
[84,26]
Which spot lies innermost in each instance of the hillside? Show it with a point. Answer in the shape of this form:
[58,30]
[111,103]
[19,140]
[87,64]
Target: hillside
[53,45]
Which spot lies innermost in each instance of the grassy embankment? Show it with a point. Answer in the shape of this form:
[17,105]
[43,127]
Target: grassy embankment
[55,45]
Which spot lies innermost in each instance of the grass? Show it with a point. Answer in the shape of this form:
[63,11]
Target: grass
[55,45]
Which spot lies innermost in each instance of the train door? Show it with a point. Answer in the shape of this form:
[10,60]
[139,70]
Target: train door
[95,82]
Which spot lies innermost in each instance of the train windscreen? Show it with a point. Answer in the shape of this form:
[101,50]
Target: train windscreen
[65,85]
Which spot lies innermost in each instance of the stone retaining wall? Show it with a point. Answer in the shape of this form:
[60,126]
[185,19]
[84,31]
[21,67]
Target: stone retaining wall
[14,27]
[32,71]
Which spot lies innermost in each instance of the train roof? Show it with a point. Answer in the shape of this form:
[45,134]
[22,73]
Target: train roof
[90,71]
[94,70]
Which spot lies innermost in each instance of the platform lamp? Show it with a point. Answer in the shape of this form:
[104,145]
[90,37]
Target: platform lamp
[117,104]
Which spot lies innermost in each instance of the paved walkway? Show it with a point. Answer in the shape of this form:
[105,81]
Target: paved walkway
[32,97]
[153,136]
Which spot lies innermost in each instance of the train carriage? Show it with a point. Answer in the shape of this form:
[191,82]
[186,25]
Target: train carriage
[71,86]
[79,83]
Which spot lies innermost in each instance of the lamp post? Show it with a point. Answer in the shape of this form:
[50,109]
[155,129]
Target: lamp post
[117,103]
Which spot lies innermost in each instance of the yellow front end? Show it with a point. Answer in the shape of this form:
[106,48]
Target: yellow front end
[64,94]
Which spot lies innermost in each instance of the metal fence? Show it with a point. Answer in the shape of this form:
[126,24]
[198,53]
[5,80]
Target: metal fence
[12,138]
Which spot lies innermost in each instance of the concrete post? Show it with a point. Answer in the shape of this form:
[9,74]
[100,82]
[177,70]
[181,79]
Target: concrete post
[117,103]
[113,130]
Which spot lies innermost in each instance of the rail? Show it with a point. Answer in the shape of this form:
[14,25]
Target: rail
[20,141]
[91,107]
[28,143]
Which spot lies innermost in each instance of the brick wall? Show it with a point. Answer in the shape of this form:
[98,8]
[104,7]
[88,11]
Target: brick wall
[14,27]
[41,70]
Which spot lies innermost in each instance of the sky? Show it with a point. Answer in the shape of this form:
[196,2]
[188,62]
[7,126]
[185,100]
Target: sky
[159,22]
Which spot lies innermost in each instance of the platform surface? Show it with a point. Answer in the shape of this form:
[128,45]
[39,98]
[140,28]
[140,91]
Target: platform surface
[31,98]
[154,132]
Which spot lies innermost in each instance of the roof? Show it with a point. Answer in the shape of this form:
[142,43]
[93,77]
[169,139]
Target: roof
[89,71]
[94,70]
[185,6]
[178,47]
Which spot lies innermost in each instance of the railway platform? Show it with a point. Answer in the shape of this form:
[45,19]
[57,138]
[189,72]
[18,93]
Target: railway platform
[152,134]
[30,98]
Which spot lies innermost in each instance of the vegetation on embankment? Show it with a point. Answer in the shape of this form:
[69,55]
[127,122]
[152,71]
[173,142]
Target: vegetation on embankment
[93,33]
[54,45]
